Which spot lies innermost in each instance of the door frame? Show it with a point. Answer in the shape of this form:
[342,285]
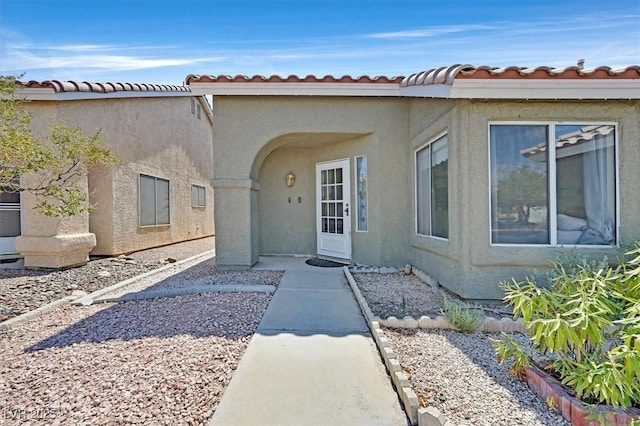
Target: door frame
[334,245]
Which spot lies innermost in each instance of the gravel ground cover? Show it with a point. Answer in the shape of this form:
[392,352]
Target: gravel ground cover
[162,361]
[23,290]
[455,372]
[460,375]
[399,294]
[204,273]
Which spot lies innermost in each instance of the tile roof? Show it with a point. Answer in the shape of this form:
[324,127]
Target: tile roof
[192,78]
[443,75]
[446,75]
[84,86]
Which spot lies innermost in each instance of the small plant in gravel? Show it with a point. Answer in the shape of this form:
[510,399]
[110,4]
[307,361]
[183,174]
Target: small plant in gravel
[587,323]
[461,316]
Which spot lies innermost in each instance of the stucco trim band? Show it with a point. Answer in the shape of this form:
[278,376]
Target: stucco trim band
[546,89]
[235,183]
[58,251]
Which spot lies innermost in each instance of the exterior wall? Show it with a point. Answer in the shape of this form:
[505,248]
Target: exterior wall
[476,267]
[443,259]
[259,142]
[154,136]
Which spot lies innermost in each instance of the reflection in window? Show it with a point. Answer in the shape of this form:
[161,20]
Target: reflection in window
[432,189]
[9,214]
[582,159]
[154,201]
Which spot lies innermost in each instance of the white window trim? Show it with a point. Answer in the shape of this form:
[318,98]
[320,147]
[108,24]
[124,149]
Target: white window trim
[155,194]
[415,186]
[553,228]
[205,196]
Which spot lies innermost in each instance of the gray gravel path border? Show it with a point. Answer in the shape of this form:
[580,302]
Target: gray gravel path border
[159,272]
[15,321]
[175,292]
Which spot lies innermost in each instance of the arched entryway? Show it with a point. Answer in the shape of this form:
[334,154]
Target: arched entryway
[311,215]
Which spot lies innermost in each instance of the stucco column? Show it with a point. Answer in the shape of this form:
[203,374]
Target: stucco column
[236,217]
[52,242]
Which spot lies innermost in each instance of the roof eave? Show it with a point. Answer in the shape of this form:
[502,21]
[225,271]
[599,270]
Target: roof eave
[294,89]
[545,89]
[48,94]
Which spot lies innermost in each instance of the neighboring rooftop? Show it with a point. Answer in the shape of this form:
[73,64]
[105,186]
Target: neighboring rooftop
[67,90]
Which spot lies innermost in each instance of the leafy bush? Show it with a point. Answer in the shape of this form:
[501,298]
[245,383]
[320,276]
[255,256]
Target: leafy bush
[462,317]
[588,323]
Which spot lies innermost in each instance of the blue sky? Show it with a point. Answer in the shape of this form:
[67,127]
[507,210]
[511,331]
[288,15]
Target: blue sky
[163,41]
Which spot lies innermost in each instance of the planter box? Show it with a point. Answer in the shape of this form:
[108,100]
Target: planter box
[571,407]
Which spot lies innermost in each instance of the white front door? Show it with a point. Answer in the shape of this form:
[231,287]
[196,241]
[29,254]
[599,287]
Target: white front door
[9,222]
[332,209]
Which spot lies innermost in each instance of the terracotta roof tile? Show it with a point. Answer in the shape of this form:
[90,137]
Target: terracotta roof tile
[192,78]
[76,86]
[446,75]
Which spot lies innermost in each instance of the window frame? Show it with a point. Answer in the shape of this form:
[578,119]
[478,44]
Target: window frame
[552,180]
[204,190]
[428,144]
[155,199]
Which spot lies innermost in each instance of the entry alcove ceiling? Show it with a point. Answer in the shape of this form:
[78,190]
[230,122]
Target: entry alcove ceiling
[301,140]
[312,140]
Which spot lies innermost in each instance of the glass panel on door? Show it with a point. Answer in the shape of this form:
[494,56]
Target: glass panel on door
[332,208]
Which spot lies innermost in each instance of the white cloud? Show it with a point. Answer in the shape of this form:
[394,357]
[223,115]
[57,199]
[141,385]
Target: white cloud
[110,62]
[25,56]
[430,32]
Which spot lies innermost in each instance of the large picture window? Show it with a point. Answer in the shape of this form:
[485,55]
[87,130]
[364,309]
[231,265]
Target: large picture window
[432,189]
[553,184]
[154,201]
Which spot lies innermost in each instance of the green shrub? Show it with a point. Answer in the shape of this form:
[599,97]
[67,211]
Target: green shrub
[462,317]
[588,324]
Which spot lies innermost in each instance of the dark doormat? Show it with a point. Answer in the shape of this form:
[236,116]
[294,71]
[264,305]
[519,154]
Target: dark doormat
[323,263]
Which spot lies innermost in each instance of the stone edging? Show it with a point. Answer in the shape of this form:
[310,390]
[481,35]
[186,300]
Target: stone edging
[572,408]
[92,297]
[15,321]
[398,377]
[490,324]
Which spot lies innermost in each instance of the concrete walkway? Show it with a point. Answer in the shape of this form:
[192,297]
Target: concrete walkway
[312,360]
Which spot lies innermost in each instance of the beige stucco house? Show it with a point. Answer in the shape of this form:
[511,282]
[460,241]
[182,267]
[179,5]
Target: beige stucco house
[160,193]
[475,175]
